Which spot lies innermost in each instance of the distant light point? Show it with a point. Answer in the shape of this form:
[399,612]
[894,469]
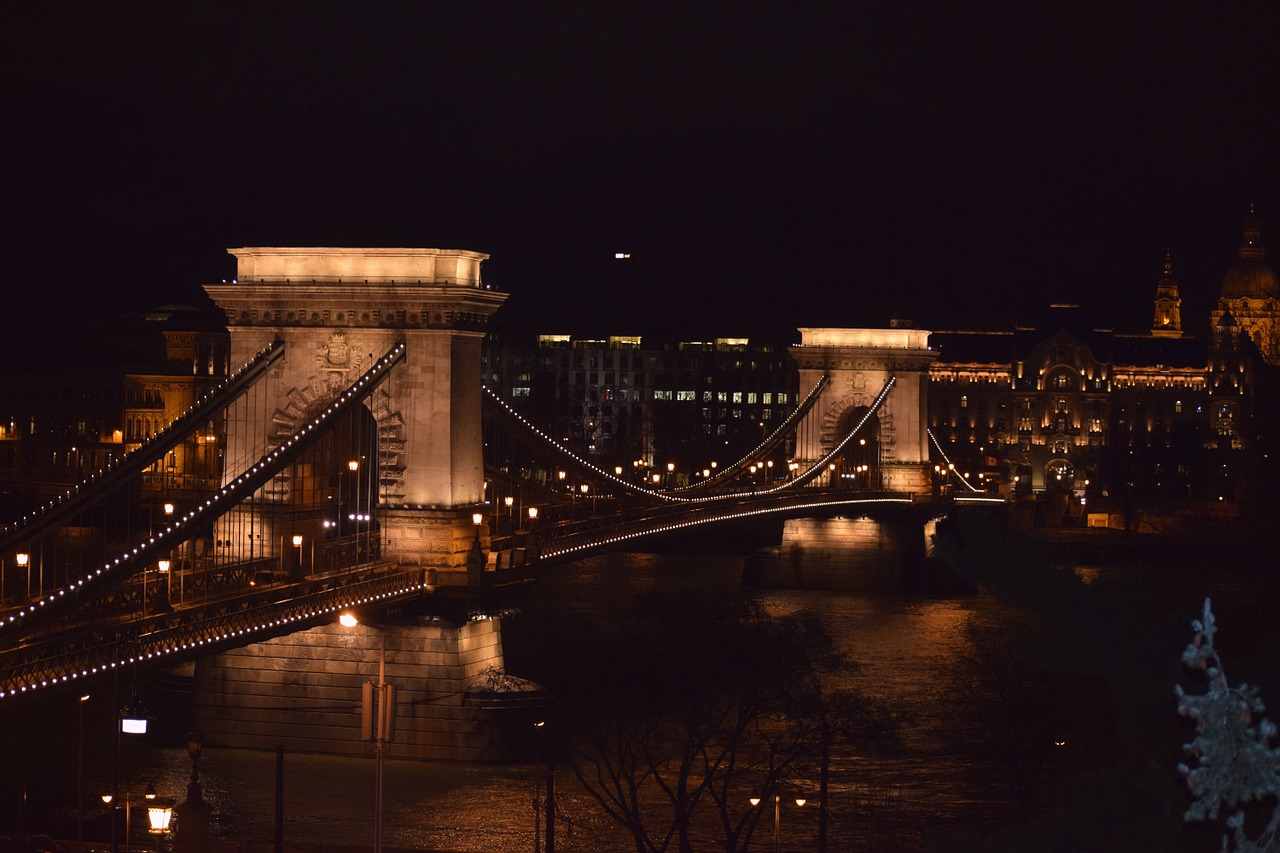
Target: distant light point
[621,256]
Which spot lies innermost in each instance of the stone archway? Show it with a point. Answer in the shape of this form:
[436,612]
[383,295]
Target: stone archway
[860,362]
[1059,476]
[858,465]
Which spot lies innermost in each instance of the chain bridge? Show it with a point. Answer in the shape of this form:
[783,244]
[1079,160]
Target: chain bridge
[365,466]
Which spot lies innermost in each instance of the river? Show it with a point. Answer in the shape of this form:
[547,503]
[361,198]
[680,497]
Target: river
[905,645]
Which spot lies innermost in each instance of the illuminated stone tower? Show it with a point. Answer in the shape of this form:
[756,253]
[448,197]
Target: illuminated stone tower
[1168,317]
[337,310]
[859,361]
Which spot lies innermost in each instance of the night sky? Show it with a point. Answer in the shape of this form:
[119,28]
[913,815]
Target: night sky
[958,164]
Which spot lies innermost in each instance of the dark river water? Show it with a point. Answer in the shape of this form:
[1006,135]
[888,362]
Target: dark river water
[905,645]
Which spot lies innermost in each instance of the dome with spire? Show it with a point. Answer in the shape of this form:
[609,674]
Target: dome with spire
[1250,277]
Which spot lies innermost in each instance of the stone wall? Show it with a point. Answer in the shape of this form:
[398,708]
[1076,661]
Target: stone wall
[303,690]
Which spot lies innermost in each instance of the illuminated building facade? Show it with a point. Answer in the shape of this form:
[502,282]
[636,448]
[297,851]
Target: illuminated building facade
[69,413]
[1065,405]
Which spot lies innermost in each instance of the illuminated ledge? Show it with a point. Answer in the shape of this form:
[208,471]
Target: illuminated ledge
[431,266]
[866,338]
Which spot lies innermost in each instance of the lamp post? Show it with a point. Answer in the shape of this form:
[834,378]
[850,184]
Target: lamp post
[297,543]
[377,720]
[193,812]
[530,543]
[777,813]
[24,562]
[475,556]
[149,795]
[537,787]
[131,719]
[509,501]
[80,770]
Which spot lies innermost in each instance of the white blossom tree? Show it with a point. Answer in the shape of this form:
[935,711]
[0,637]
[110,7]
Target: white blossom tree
[1232,762]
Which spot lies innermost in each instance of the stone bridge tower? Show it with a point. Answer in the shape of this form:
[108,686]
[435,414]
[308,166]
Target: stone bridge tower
[336,311]
[859,361]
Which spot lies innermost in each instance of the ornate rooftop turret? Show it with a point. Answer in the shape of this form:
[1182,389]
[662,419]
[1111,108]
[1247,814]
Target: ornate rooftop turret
[1250,277]
[1168,316]
[1251,293]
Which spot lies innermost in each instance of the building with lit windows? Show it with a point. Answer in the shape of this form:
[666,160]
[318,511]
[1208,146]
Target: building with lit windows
[1065,404]
[68,413]
[645,401]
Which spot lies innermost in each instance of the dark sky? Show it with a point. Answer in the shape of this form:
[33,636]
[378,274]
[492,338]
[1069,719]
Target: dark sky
[820,163]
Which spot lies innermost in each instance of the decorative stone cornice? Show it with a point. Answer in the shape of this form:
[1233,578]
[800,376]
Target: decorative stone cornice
[353,288]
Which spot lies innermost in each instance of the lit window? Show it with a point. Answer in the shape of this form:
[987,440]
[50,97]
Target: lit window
[520,392]
[686,395]
[767,398]
[964,402]
[737,396]
[1177,406]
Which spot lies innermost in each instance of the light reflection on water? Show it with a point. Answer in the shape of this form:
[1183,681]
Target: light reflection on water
[903,643]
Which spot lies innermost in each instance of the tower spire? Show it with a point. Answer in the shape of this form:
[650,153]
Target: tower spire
[1168,304]
[1251,248]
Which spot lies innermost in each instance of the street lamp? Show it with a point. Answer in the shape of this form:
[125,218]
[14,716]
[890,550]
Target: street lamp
[777,813]
[133,718]
[24,562]
[159,814]
[377,718]
[537,788]
[80,771]
[193,812]
[149,795]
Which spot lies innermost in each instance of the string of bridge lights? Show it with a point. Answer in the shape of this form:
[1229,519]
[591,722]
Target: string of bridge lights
[951,467]
[215,637]
[113,464]
[812,472]
[561,449]
[821,465]
[729,516]
[795,416]
[250,479]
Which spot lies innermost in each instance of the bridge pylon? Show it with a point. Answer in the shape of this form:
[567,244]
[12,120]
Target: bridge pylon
[859,361]
[338,309]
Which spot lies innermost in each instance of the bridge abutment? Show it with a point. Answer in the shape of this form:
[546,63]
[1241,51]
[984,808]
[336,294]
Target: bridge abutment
[303,691]
[889,551]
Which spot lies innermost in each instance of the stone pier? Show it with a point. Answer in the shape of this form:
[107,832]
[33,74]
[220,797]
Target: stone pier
[413,457]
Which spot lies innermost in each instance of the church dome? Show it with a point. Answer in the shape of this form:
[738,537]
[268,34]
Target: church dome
[1250,277]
